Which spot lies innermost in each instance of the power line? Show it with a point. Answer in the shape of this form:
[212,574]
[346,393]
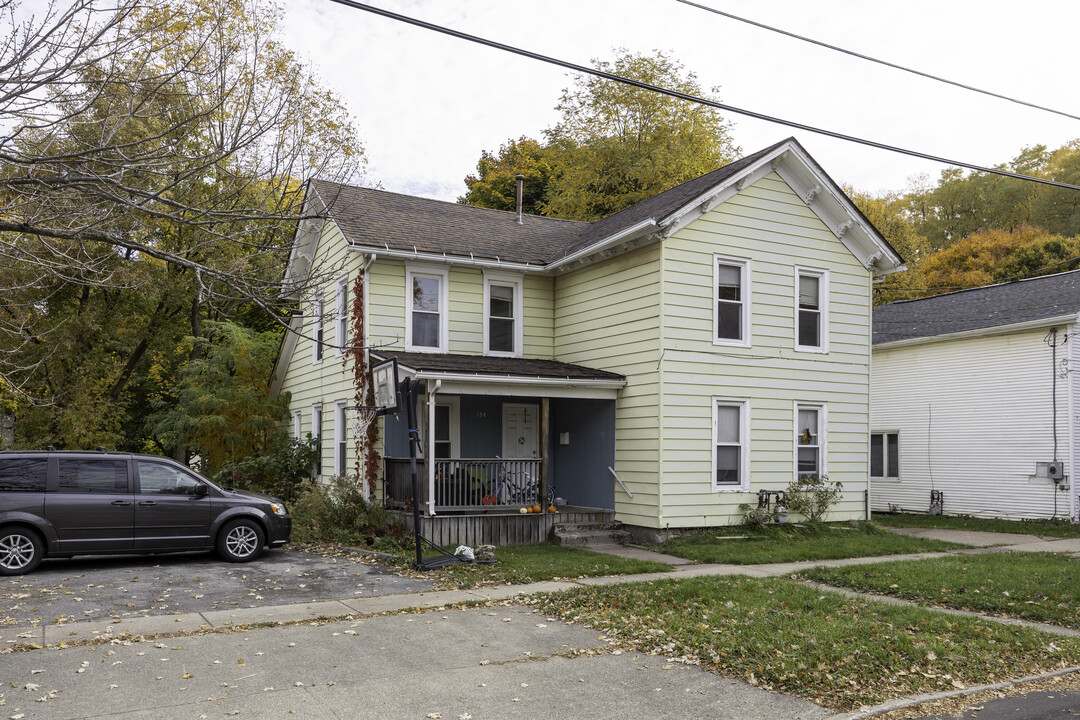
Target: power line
[691,98]
[868,58]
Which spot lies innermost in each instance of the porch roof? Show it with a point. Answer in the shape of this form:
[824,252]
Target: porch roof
[489,375]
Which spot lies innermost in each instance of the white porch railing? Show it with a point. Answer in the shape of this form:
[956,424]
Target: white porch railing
[468,483]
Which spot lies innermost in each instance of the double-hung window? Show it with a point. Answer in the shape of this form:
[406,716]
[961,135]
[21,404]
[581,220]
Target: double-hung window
[340,438]
[502,315]
[426,309]
[316,432]
[731,453]
[297,430]
[885,456]
[810,442]
[731,301]
[812,314]
[341,328]
[317,329]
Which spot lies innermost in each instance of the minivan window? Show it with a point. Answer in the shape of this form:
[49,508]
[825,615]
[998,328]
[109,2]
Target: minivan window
[93,476]
[160,479]
[22,474]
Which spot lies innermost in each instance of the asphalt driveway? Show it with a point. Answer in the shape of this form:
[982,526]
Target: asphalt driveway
[94,588]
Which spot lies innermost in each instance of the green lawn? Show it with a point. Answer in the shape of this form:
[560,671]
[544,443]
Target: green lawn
[534,563]
[790,543]
[787,636]
[1042,587]
[1045,528]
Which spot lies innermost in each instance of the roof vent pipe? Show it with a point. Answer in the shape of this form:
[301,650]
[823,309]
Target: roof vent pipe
[520,188]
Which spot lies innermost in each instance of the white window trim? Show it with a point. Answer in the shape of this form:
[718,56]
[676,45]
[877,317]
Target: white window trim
[341,320]
[744,285]
[316,433]
[744,435]
[340,454]
[316,326]
[443,274]
[454,403]
[823,437]
[515,281]
[823,309]
[297,425]
[885,456]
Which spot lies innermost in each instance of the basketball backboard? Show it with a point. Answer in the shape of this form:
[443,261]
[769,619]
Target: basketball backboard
[384,378]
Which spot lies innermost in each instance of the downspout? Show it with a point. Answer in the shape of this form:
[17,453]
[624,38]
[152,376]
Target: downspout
[429,451]
[367,297]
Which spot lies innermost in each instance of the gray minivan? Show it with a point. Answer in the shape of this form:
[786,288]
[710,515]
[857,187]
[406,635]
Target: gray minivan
[64,503]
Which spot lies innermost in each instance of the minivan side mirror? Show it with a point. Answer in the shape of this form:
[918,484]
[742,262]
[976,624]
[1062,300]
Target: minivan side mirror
[201,490]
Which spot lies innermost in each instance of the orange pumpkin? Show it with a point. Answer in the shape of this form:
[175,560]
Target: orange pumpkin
[535,509]
[551,508]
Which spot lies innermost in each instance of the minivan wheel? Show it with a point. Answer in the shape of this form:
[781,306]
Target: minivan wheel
[240,540]
[21,550]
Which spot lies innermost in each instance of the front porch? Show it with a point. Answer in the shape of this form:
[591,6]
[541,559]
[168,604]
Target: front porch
[501,528]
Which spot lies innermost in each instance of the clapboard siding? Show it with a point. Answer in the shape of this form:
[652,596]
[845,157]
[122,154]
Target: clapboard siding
[974,416]
[769,225]
[607,316]
[331,380]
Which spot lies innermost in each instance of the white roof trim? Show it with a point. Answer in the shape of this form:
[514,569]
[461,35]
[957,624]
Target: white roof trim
[980,332]
[809,182]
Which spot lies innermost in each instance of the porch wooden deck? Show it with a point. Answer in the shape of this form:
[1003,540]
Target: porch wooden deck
[499,528]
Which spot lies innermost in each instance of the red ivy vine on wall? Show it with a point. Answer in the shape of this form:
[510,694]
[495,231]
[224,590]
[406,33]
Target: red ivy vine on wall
[365,392]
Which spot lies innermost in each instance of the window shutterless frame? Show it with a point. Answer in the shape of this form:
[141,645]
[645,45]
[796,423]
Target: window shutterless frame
[810,440]
[811,310]
[731,301]
[730,445]
[316,432]
[885,455]
[427,300]
[503,326]
[341,316]
[317,329]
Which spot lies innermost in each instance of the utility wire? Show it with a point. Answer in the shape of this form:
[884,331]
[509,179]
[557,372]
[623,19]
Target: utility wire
[886,63]
[691,98]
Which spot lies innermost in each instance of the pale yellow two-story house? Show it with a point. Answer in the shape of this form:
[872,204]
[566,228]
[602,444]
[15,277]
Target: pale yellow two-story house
[665,363]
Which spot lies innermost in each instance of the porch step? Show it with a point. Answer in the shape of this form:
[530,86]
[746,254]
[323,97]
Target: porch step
[594,533]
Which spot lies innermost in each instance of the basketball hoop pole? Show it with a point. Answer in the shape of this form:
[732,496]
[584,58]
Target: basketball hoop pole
[407,393]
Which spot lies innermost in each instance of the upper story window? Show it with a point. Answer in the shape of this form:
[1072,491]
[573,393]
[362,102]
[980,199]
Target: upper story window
[426,309]
[731,309]
[732,451]
[812,325]
[885,456]
[316,330]
[502,315]
[810,442]
[341,328]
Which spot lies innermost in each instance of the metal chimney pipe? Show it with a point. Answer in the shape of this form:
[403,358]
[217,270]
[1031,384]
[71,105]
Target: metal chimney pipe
[520,189]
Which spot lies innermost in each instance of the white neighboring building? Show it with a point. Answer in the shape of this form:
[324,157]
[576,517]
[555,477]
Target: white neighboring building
[976,395]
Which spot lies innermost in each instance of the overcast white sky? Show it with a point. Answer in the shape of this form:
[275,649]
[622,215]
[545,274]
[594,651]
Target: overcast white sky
[426,104]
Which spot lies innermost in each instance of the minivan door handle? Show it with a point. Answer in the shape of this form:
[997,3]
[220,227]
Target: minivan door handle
[120,502]
[147,502]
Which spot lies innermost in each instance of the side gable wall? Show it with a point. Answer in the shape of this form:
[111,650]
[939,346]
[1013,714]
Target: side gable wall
[771,226]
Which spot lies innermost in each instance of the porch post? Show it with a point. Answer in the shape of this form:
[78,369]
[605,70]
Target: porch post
[545,479]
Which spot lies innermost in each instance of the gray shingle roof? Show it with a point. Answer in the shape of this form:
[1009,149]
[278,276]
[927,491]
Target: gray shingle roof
[980,308]
[492,367]
[376,218]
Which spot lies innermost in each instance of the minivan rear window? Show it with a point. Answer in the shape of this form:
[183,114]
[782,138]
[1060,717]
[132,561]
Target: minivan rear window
[22,474]
[93,476]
